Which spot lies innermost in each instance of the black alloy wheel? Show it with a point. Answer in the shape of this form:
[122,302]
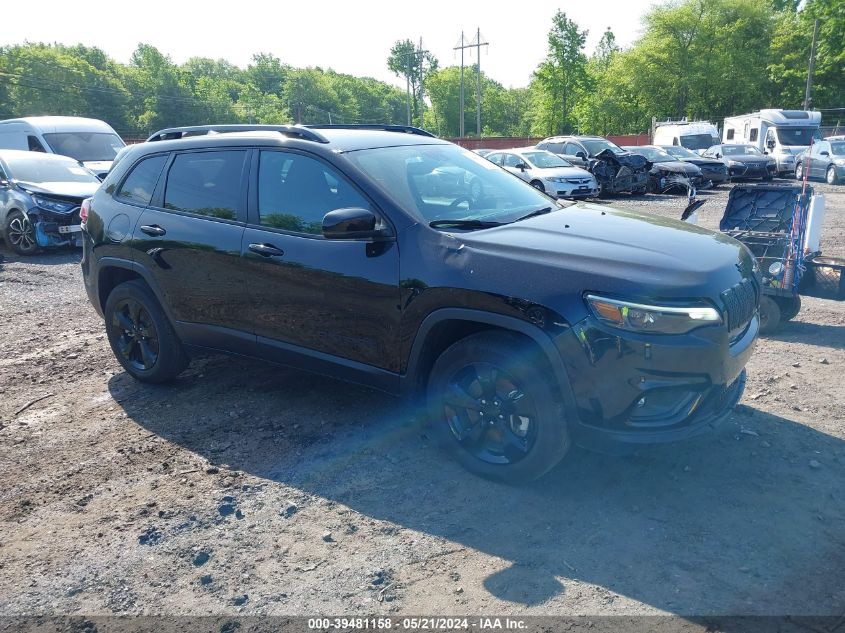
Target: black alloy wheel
[139,343]
[493,404]
[20,233]
[489,414]
[140,334]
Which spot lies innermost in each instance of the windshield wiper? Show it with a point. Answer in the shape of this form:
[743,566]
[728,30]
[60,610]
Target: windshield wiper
[542,211]
[464,224]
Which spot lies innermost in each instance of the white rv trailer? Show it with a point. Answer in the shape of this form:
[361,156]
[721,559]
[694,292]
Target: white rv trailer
[781,133]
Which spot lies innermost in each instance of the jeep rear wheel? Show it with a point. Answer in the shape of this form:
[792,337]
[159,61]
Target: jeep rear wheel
[140,335]
[494,411]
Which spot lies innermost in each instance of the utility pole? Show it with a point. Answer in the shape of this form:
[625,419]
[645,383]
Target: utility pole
[408,85]
[477,44]
[807,98]
[462,46]
[422,101]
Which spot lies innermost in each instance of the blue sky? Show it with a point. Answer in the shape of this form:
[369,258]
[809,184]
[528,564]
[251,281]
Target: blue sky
[351,37]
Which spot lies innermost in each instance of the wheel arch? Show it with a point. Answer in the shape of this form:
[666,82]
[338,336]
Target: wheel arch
[444,327]
[112,271]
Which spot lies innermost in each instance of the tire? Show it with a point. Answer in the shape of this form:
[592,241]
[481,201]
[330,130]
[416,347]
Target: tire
[789,307]
[538,185]
[20,233]
[141,336]
[640,191]
[830,176]
[770,315]
[494,410]
[799,171]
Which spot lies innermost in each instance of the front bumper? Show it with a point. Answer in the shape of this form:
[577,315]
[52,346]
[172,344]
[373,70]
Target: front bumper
[642,389]
[744,171]
[56,229]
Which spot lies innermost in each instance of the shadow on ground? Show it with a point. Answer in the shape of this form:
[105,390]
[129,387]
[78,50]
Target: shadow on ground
[737,522]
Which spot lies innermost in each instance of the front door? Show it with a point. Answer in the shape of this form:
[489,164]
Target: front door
[317,302]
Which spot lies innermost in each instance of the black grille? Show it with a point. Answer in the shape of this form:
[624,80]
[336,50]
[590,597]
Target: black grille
[740,304]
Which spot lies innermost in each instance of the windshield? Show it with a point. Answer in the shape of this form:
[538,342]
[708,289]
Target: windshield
[651,153]
[797,135]
[597,146]
[698,141]
[39,169]
[838,149]
[446,182]
[545,160]
[740,150]
[85,146]
[680,152]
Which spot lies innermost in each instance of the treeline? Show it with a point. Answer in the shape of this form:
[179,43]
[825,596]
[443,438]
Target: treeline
[151,92]
[696,58]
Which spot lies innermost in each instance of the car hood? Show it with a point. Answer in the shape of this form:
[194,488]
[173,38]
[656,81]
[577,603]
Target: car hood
[587,247]
[703,162]
[676,167]
[99,167]
[561,172]
[76,190]
[746,158]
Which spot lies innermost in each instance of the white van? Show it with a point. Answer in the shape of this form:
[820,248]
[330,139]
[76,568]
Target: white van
[783,134]
[695,135]
[90,141]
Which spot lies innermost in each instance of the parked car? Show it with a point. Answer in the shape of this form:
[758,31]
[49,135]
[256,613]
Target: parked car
[317,248]
[711,169]
[547,172]
[90,141]
[826,160]
[615,169]
[744,161]
[40,198]
[668,174]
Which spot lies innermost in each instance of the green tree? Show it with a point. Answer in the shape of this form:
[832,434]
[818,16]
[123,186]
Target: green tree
[408,62]
[560,77]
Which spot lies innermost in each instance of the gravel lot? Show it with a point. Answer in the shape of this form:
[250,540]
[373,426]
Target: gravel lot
[246,488]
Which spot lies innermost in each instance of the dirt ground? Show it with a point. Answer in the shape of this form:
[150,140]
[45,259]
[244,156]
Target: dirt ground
[246,488]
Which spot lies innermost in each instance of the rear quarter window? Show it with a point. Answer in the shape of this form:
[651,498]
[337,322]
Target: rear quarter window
[138,186]
[206,183]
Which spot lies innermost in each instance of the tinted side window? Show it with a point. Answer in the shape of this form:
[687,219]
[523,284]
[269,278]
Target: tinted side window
[512,160]
[141,181]
[730,135]
[555,148]
[494,158]
[207,183]
[753,136]
[296,191]
[34,144]
[571,149]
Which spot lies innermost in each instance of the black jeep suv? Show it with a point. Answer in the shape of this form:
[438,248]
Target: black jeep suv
[524,323]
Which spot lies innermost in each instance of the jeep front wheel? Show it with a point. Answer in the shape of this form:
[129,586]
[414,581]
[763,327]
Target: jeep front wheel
[494,410]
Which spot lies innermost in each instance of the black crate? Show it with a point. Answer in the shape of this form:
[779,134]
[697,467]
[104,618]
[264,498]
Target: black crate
[824,278]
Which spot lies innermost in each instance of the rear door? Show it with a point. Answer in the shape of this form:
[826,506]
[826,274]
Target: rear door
[819,162]
[321,304]
[189,240]
[510,163]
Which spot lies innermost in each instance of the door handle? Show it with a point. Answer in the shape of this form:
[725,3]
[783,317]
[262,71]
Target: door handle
[266,250]
[153,229]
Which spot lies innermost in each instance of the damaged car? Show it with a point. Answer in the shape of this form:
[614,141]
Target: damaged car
[711,169]
[668,174]
[40,199]
[616,170]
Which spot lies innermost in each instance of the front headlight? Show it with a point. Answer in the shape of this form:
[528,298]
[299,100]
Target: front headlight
[53,205]
[734,163]
[555,179]
[638,317]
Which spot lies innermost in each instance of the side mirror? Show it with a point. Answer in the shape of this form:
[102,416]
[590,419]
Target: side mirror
[824,153]
[521,166]
[352,224]
[717,155]
[581,155]
[765,152]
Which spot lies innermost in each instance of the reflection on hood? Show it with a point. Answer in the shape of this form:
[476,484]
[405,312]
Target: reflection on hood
[78,190]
